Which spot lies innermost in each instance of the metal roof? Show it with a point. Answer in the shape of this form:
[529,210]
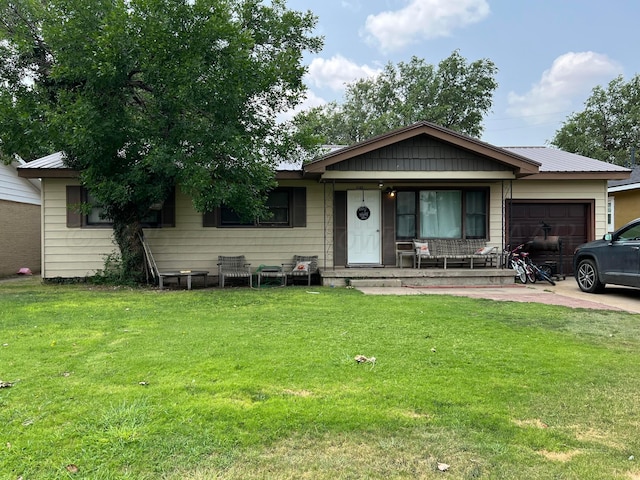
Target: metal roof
[550,160]
[554,160]
[50,161]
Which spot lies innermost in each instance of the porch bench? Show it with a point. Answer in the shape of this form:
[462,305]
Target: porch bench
[456,251]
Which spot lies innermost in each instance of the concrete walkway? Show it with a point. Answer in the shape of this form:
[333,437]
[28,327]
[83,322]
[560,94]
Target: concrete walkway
[565,293]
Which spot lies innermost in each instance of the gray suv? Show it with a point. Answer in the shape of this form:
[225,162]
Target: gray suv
[615,259]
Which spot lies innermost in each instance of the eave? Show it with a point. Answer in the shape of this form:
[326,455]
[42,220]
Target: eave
[289,175]
[579,176]
[47,173]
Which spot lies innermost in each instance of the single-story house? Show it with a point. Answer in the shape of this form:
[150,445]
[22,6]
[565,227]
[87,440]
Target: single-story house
[20,220]
[354,205]
[624,200]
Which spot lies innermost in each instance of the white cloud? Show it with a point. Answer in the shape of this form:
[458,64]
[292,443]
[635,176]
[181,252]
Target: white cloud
[571,78]
[351,5]
[421,19]
[337,71]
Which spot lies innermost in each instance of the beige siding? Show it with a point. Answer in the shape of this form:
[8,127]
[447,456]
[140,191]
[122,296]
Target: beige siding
[69,252]
[190,245]
[79,252]
[75,252]
[587,190]
[497,193]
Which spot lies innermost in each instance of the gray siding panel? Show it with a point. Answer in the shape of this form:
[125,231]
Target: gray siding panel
[419,154]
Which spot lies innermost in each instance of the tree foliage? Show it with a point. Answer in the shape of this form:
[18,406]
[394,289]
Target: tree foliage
[455,94]
[142,95]
[609,126]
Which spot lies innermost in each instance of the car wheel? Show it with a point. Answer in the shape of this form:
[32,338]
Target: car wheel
[587,277]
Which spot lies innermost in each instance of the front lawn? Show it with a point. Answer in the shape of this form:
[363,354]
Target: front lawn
[104,383]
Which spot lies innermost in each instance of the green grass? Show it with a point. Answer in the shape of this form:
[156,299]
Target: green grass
[260,384]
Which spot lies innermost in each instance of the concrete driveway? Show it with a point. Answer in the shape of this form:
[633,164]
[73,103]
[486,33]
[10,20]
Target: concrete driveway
[565,293]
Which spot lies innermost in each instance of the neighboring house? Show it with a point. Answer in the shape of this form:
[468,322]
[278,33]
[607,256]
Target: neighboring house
[624,200]
[421,181]
[20,221]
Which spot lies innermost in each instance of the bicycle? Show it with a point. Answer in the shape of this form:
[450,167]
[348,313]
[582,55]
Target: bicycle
[539,273]
[515,260]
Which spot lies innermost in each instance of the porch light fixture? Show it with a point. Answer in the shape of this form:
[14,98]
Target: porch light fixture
[390,191]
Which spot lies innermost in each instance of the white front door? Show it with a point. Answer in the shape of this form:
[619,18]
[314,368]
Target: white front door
[363,227]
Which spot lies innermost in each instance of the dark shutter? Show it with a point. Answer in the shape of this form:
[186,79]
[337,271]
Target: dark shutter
[168,214]
[74,200]
[299,207]
[388,230]
[340,228]
[210,219]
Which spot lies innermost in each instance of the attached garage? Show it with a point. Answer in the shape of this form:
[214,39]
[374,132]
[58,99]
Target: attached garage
[570,221]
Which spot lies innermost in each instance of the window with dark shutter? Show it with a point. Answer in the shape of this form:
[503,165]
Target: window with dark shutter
[287,207]
[162,216]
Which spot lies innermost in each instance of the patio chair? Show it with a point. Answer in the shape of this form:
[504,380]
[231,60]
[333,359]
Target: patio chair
[303,266]
[234,267]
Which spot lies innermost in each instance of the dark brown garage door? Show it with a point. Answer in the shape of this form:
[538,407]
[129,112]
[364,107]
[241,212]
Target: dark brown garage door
[569,221]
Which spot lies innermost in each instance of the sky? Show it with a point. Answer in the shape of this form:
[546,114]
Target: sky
[550,54]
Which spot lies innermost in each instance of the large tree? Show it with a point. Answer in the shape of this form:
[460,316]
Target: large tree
[142,95]
[609,126]
[455,94]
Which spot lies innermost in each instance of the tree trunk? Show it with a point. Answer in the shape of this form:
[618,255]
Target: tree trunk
[127,235]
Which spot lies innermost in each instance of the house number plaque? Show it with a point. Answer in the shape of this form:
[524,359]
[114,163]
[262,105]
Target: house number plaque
[363,212]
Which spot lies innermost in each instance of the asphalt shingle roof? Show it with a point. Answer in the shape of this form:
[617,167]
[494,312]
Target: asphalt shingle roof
[633,179]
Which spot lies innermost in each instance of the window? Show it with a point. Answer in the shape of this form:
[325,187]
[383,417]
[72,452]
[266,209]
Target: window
[610,214]
[278,206]
[406,214]
[445,213]
[158,216]
[95,216]
[287,207]
[631,233]
[440,213]
[475,214]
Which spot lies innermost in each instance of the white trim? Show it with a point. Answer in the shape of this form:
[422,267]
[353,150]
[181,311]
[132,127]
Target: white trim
[624,188]
[611,217]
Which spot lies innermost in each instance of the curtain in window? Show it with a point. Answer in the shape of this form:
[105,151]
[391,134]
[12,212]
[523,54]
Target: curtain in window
[441,214]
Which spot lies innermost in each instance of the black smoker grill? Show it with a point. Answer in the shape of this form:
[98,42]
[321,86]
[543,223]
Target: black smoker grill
[546,251]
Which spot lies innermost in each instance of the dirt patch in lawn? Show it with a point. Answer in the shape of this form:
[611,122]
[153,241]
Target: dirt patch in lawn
[559,456]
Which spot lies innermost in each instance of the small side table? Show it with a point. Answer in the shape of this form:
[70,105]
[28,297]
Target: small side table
[182,273]
[406,253]
[272,272]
